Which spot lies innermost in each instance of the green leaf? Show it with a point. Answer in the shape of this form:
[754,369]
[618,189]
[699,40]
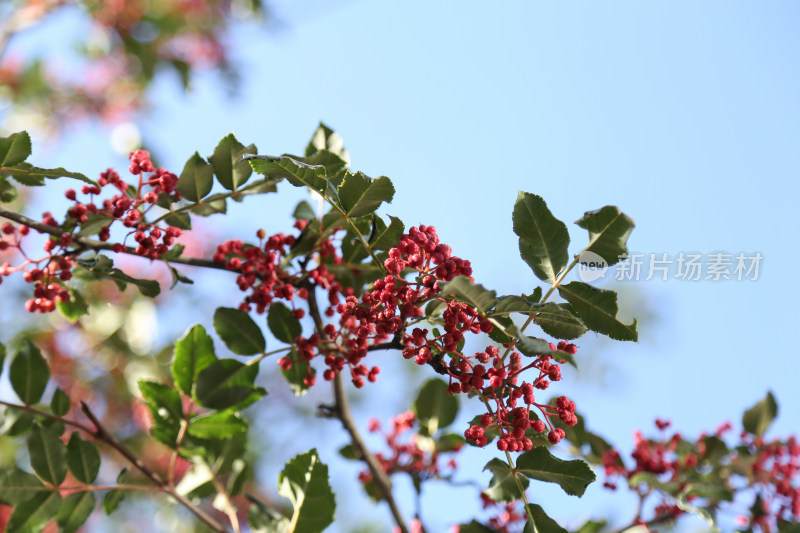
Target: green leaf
[217,426]
[450,442]
[226,383]
[231,171]
[572,476]
[758,418]
[113,498]
[8,193]
[473,294]
[788,527]
[543,239]
[2,357]
[361,195]
[435,407]
[75,510]
[31,515]
[101,267]
[193,352]
[15,422]
[474,527]
[597,309]
[326,139]
[17,486]
[349,452]
[59,403]
[163,398]
[83,459]
[238,331]
[304,481]
[558,321]
[14,149]
[29,373]
[94,223]
[282,323]
[503,487]
[591,526]
[196,179]
[296,375]
[75,308]
[304,211]
[27,172]
[541,522]
[263,519]
[609,229]
[48,455]
[384,238]
[296,172]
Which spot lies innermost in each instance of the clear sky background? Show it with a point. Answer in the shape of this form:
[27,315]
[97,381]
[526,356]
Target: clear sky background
[684,114]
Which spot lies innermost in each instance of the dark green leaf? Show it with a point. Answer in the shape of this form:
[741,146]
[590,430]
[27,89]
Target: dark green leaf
[59,403]
[503,487]
[193,352]
[196,179]
[83,459]
[573,476]
[296,375]
[75,308]
[28,172]
[450,442]
[304,211]
[542,522]
[558,321]
[435,407]
[325,138]
[14,149]
[296,172]
[48,455]
[101,267]
[543,239]
[75,510]
[788,527]
[238,331]
[758,418]
[472,293]
[212,205]
[17,486]
[217,426]
[304,481]
[597,309]
[8,193]
[609,229]
[230,170]
[349,452]
[179,220]
[361,195]
[31,515]
[474,527]
[226,383]
[15,422]
[29,373]
[162,397]
[591,526]
[384,238]
[94,223]
[113,498]
[282,323]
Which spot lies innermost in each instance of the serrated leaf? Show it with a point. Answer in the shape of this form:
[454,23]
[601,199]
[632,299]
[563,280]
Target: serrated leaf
[472,293]
[503,487]
[48,455]
[193,352]
[758,418]
[226,383]
[230,170]
[282,323]
[238,331]
[26,171]
[75,308]
[384,238]
[597,309]
[217,426]
[17,486]
[558,321]
[59,403]
[83,459]
[196,179]
[435,407]
[361,195]
[29,373]
[31,515]
[296,375]
[296,172]
[304,481]
[572,476]
[75,510]
[543,239]
[609,229]
[14,149]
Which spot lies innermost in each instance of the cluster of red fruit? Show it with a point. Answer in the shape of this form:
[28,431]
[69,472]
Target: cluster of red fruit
[49,272]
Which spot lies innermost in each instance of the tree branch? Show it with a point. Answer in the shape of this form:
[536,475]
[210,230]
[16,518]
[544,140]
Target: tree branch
[341,410]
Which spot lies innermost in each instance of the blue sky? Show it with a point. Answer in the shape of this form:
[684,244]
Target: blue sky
[683,114]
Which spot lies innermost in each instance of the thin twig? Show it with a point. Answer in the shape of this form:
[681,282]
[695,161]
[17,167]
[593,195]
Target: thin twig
[341,411]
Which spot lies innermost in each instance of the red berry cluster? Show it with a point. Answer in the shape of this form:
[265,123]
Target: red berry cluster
[508,517]
[128,206]
[769,470]
[407,455]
